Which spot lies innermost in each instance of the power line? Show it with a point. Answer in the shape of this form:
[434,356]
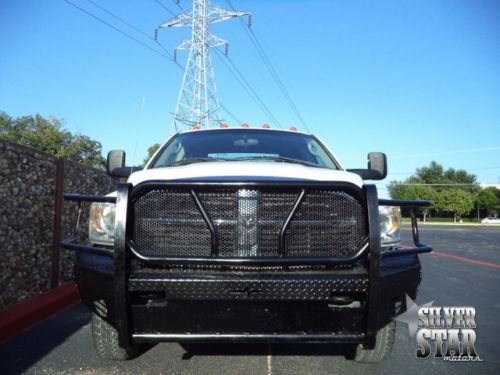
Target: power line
[177,3]
[257,98]
[134,28]
[198,101]
[164,7]
[430,154]
[125,34]
[483,169]
[118,30]
[240,78]
[168,56]
[238,121]
[451,184]
[119,19]
[468,170]
[272,70]
[285,92]
[452,152]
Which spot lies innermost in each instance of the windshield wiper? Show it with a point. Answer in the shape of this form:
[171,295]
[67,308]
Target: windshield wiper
[189,161]
[282,159]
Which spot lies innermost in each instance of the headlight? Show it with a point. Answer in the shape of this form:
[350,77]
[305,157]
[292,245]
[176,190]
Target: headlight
[102,223]
[390,224]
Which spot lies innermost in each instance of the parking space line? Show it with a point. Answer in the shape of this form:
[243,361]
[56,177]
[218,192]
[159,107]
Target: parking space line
[459,258]
[466,260]
[269,360]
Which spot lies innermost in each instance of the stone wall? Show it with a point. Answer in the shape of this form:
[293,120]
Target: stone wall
[27,203]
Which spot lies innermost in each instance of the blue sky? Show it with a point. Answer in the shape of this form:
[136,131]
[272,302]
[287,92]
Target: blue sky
[419,80]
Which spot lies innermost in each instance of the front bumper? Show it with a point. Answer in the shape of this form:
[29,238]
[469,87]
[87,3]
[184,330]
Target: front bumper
[183,305]
[345,301]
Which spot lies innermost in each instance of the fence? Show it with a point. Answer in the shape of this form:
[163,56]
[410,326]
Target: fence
[33,218]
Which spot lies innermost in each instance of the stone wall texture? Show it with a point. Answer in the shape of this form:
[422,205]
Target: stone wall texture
[27,204]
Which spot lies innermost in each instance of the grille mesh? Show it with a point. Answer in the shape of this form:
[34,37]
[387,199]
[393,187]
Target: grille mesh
[248,222]
[327,223]
[167,222]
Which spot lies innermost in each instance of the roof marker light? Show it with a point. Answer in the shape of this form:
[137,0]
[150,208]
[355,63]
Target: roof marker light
[224,125]
[195,127]
[293,128]
[245,125]
[266,126]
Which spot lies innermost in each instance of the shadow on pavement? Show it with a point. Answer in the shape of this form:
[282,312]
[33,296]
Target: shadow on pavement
[264,349]
[21,352]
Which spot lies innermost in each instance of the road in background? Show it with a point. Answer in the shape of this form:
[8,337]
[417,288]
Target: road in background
[63,345]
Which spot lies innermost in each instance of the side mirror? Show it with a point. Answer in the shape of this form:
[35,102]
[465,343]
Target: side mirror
[377,167]
[115,164]
[377,162]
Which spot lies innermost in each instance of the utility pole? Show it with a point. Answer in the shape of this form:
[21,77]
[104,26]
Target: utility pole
[198,102]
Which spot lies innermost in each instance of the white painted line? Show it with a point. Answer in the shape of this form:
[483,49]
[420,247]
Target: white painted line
[269,360]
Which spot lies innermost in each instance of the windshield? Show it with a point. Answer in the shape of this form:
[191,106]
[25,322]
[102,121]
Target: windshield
[243,145]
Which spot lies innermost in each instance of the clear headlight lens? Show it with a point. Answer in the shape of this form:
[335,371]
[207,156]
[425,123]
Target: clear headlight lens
[102,223]
[390,225]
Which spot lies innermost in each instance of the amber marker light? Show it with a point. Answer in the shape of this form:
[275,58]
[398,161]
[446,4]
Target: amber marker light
[245,125]
[266,126]
[293,128]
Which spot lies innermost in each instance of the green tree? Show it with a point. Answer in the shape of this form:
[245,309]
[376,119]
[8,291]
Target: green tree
[435,175]
[433,182]
[457,201]
[49,135]
[413,192]
[489,199]
[151,150]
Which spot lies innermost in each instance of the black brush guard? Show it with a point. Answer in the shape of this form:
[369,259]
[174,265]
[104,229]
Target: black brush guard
[144,304]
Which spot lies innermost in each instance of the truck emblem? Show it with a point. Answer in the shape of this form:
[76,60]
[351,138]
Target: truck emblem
[248,201]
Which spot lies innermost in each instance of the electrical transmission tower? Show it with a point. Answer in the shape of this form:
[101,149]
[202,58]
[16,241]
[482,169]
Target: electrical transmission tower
[198,103]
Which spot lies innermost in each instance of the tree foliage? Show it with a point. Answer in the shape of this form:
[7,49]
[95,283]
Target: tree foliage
[451,190]
[49,135]
[413,192]
[457,201]
[435,175]
[151,150]
[489,199]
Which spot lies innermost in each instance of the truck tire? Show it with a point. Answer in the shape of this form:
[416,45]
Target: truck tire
[383,346]
[105,337]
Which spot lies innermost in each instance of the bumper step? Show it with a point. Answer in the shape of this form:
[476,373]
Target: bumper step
[251,338]
[243,287]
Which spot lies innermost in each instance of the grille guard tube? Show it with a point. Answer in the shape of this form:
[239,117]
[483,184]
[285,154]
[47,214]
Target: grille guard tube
[420,248]
[73,244]
[268,261]
[254,338]
[294,218]
[121,265]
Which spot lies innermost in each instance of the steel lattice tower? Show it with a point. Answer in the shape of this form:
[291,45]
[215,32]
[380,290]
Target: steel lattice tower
[198,102]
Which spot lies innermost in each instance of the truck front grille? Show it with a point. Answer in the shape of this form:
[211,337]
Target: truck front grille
[247,222]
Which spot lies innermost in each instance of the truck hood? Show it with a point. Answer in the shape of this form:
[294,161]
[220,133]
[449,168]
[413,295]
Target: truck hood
[243,171]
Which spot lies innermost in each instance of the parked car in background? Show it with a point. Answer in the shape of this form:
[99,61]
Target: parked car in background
[490,220]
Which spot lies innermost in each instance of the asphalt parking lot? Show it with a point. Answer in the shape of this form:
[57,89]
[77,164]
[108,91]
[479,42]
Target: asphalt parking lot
[463,271]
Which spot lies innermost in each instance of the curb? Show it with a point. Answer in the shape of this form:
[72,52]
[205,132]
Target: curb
[17,318]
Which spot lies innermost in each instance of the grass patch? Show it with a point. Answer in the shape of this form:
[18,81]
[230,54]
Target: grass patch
[407,220]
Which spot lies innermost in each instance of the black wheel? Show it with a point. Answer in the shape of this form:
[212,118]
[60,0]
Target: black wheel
[105,337]
[383,346]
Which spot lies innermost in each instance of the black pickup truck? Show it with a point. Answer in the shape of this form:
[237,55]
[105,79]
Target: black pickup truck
[245,235]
